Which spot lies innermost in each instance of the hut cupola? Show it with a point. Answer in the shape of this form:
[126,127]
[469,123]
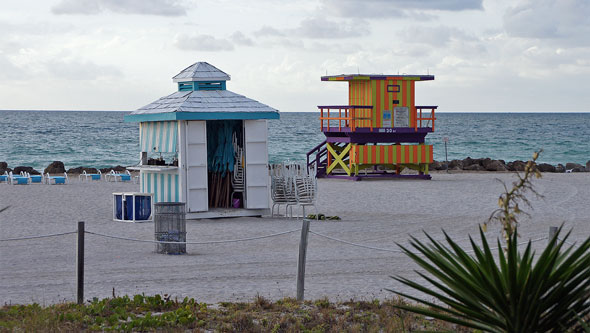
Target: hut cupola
[201,76]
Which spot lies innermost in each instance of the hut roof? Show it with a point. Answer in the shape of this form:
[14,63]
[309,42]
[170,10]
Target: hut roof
[206,104]
[204,101]
[201,71]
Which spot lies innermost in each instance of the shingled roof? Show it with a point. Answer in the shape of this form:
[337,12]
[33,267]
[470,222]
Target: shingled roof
[201,71]
[204,101]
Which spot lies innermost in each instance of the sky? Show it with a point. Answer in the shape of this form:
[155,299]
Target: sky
[486,55]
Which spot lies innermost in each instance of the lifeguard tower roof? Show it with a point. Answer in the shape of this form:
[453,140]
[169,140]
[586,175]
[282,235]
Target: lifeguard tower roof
[351,77]
[202,95]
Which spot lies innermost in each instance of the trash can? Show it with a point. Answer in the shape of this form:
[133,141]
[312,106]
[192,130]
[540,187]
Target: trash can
[170,226]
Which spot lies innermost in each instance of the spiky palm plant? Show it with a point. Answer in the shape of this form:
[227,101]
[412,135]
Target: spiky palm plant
[514,293]
[509,292]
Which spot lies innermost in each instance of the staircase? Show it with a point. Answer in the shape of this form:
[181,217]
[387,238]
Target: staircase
[318,157]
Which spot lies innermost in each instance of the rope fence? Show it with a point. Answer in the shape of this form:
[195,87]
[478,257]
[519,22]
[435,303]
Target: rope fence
[305,231]
[37,237]
[193,242]
[355,244]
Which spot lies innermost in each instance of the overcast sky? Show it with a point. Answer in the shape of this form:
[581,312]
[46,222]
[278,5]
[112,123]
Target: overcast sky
[498,55]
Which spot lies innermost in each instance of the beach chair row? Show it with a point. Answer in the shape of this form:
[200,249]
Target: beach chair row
[293,185]
[111,176]
[25,178]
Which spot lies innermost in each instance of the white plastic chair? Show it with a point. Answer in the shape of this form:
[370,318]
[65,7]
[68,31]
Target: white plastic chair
[237,179]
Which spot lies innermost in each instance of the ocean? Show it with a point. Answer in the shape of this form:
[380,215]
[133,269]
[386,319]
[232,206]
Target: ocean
[101,138]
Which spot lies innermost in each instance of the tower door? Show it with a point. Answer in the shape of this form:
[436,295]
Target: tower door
[255,134]
[196,167]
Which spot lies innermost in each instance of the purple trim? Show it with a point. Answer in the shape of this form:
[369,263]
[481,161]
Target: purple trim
[360,177]
[345,139]
[396,86]
[369,138]
[350,77]
[377,130]
[427,107]
[364,135]
[345,106]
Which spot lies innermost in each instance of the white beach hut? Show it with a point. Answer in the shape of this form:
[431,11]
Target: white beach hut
[194,139]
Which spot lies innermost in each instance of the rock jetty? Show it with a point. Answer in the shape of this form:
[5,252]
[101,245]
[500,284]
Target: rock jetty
[487,164]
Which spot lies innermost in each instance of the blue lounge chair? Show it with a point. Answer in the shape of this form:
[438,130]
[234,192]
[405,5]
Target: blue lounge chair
[56,180]
[18,180]
[35,179]
[91,176]
[114,176]
[4,177]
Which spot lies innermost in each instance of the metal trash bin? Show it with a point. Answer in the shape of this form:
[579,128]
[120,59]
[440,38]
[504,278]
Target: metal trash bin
[170,226]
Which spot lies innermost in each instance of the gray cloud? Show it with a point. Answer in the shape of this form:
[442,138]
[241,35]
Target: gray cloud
[141,7]
[80,70]
[266,31]
[435,36]
[203,43]
[321,28]
[240,39]
[568,21]
[394,8]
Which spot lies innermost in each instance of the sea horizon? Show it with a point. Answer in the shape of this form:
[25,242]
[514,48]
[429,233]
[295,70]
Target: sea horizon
[102,139]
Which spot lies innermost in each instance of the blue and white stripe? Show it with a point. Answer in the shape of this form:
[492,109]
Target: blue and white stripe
[164,186]
[159,136]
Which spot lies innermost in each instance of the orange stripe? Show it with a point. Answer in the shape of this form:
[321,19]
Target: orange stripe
[412,110]
[407,151]
[365,154]
[378,97]
[403,92]
[390,155]
[423,151]
[382,154]
[431,154]
[398,153]
[416,159]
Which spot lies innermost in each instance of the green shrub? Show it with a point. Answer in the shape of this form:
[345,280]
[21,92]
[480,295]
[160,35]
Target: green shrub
[514,292]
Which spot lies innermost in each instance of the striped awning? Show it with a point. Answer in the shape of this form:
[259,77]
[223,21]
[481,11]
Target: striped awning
[159,136]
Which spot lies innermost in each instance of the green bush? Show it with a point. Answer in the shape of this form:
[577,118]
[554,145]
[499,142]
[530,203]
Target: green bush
[513,292]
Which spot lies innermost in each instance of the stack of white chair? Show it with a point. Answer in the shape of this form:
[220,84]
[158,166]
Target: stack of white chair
[292,185]
[238,182]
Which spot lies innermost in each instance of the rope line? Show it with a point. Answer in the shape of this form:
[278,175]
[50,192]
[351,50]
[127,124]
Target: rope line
[355,244]
[192,242]
[36,237]
[567,242]
[400,251]
[521,243]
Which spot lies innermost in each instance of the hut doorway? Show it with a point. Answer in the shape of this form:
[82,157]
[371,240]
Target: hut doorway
[225,163]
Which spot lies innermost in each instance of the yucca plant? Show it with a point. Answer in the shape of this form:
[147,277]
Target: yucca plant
[514,293]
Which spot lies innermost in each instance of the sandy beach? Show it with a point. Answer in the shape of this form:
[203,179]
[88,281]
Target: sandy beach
[374,213]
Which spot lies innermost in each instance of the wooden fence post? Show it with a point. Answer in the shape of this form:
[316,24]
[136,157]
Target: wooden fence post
[301,262]
[80,262]
[552,232]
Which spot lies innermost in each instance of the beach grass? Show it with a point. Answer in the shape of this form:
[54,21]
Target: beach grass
[151,313]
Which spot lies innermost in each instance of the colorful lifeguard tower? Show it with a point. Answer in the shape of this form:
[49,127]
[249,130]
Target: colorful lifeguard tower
[379,133]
